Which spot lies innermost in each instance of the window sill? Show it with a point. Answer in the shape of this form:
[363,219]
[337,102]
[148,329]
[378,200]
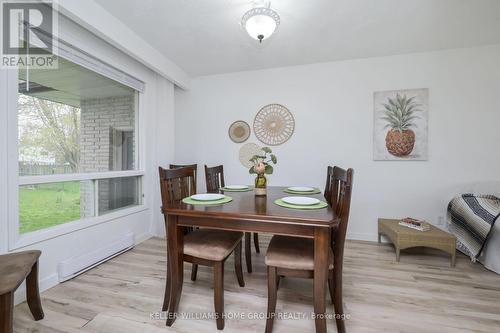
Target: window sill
[38,236]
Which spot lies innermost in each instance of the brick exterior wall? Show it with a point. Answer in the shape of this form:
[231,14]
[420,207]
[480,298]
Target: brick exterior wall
[98,119]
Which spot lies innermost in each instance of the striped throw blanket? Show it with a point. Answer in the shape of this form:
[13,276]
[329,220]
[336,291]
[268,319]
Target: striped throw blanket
[471,218]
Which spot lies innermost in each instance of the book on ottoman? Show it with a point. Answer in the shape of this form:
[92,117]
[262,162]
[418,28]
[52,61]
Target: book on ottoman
[412,223]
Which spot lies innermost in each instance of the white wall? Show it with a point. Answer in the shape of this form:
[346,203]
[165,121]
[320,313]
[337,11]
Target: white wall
[333,107]
[156,122]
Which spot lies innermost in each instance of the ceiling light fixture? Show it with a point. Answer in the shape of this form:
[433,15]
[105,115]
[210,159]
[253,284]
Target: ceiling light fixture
[261,21]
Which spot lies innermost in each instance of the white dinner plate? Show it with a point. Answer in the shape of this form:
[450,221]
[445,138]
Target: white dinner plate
[236,187]
[301,201]
[208,197]
[301,189]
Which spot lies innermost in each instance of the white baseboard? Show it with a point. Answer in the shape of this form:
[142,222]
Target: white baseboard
[362,236]
[142,238]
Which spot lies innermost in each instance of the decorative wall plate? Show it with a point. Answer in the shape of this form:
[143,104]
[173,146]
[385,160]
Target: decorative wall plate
[247,151]
[273,124]
[239,131]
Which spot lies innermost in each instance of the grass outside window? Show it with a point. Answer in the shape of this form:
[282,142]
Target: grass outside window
[47,205]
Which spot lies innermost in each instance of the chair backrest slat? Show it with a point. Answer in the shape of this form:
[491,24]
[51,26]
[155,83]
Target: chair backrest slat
[193,166]
[176,184]
[214,177]
[329,187]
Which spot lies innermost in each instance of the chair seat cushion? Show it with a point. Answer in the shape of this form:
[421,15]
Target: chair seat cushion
[293,253]
[14,267]
[209,244]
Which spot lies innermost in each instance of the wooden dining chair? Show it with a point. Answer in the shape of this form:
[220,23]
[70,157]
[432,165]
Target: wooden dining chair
[205,247]
[214,177]
[194,267]
[294,257]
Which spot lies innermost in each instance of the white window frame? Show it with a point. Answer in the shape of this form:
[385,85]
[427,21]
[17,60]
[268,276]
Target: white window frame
[18,240]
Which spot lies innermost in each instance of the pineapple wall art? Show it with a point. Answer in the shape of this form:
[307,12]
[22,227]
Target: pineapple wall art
[400,125]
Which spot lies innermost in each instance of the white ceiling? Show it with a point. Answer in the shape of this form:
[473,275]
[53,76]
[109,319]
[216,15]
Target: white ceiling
[205,37]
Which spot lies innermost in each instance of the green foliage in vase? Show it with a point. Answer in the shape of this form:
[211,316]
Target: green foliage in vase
[400,112]
[262,163]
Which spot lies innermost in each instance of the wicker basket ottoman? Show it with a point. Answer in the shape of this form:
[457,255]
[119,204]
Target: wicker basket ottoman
[404,238]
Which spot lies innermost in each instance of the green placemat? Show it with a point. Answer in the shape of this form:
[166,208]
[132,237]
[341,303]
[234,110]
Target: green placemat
[234,190]
[190,201]
[316,191]
[319,205]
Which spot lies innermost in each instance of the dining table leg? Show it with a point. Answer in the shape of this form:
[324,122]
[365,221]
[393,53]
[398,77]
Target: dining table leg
[175,243]
[321,248]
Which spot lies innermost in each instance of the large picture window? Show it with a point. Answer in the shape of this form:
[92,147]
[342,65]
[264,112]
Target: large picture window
[78,151]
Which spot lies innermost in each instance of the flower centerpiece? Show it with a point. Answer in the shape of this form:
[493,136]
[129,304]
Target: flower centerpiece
[261,167]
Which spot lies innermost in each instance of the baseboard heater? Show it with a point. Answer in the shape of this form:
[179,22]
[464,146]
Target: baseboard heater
[74,266]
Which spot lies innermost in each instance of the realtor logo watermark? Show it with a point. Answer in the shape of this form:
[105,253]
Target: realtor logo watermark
[28,27]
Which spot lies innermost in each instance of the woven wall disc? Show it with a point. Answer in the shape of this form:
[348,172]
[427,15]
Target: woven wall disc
[247,151]
[274,124]
[239,131]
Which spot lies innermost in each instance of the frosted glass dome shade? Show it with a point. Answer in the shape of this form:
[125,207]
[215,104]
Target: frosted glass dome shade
[260,23]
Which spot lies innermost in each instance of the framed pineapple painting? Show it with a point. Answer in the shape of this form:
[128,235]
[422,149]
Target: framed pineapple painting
[400,125]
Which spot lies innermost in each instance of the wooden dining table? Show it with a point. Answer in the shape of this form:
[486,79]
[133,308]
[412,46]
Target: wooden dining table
[250,213]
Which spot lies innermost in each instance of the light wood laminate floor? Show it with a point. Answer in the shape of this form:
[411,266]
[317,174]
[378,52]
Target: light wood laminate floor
[419,294]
